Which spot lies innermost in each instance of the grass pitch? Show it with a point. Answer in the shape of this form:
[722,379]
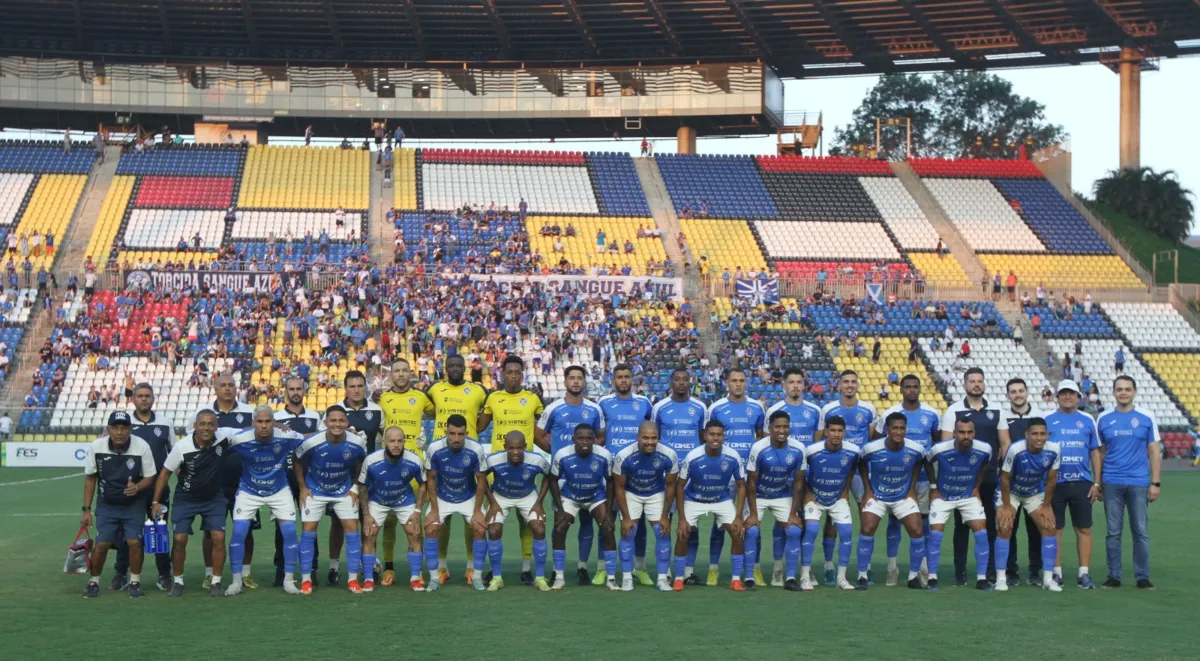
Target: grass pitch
[43,615]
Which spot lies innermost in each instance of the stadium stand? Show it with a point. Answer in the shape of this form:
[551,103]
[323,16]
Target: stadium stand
[163,229]
[1180,372]
[784,239]
[1061,271]
[726,244]
[983,217]
[1000,358]
[940,270]
[183,161]
[893,359]
[618,189]
[1152,326]
[900,212]
[45,158]
[909,318]
[584,249]
[305,178]
[1097,360]
[1070,321]
[13,190]
[725,186]
[564,187]
[1051,217]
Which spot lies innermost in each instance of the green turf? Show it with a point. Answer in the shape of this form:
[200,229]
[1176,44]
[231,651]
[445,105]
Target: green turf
[1144,244]
[43,615]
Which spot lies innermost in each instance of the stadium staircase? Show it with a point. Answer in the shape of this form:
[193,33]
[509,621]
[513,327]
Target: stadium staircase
[380,235]
[945,229]
[663,212]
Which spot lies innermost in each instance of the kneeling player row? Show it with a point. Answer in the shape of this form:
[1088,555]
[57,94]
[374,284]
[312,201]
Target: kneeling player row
[586,483]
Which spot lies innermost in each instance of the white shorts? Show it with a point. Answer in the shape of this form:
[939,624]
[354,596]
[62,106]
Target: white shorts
[465,509]
[899,509]
[650,506]
[940,510]
[839,512]
[781,509]
[1027,503]
[923,497]
[524,507]
[344,508]
[722,511]
[283,508]
[572,507]
[380,512]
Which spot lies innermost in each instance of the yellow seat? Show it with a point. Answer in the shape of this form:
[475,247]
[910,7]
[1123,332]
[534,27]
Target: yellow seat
[893,357]
[726,243]
[1181,373]
[100,246]
[1064,272]
[404,179]
[943,271]
[580,250]
[50,210]
[306,178]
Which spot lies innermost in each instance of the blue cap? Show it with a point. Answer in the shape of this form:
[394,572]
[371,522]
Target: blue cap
[119,418]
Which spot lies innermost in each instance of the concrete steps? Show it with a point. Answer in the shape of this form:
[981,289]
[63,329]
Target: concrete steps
[941,223]
[83,225]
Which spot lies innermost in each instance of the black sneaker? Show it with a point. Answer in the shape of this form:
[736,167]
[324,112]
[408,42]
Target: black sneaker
[91,591]
[932,584]
[163,583]
[526,578]
[792,585]
[692,580]
[1035,578]
[487,578]
[582,578]
[1145,584]
[135,590]
[960,582]
[983,585]
[915,584]
[863,583]
[216,590]
[749,585]
[278,578]
[119,582]
[334,577]
[1013,578]
[1058,580]
[176,590]
[1110,583]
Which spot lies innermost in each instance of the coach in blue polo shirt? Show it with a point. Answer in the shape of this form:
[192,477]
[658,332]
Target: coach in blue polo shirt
[1131,479]
[1078,477]
[991,427]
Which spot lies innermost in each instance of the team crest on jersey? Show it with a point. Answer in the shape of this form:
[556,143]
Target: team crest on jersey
[691,410]
[724,464]
[973,460]
[1079,424]
[412,401]
[926,420]
[369,415]
[238,417]
[858,418]
[276,447]
[1046,461]
[1136,423]
[129,464]
[790,460]
[807,415]
[991,415]
[466,461]
[346,453]
[908,459]
[219,450]
[595,464]
[523,401]
[158,431]
[845,460]
[466,391]
[657,463]
[527,473]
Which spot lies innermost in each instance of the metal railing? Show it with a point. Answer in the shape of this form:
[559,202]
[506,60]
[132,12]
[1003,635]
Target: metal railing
[1185,298]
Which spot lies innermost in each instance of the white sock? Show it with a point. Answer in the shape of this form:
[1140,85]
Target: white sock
[289,577]
[999,577]
[688,571]
[216,580]
[828,565]
[208,571]
[639,563]
[582,564]
[912,574]
[892,564]
[237,577]
[933,577]
[736,577]
[526,564]
[1058,571]
[1047,575]
[442,564]
[862,574]
[806,573]
[334,564]
[1083,571]
[841,573]
[179,580]
[778,566]
[305,577]
[925,564]
[246,569]
[135,578]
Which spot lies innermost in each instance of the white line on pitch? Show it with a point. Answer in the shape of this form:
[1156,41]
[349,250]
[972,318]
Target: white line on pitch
[40,479]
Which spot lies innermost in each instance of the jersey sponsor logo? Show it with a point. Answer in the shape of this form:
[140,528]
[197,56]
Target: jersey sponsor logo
[129,464]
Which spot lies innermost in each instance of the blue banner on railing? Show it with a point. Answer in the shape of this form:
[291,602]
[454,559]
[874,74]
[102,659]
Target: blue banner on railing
[214,280]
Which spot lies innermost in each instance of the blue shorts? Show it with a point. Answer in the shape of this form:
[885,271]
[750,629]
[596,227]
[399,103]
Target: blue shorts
[211,513]
[116,524]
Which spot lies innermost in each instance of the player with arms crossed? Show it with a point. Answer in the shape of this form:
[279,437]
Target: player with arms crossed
[624,412]
[456,485]
[385,484]
[832,462]
[743,419]
[1028,477]
[265,450]
[644,476]
[328,463]
[514,474]
[579,482]
[960,466]
[703,488]
[889,470]
[513,408]
[775,482]
[680,420]
[924,423]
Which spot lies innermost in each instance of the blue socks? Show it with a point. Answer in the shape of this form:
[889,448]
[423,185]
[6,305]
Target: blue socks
[751,548]
[779,540]
[827,544]
[560,562]
[625,549]
[479,549]
[808,545]
[495,549]
[1001,553]
[291,548]
[431,556]
[414,564]
[368,566]
[866,548]
[894,535]
[354,555]
[237,547]
[716,544]
[610,564]
[933,551]
[308,541]
[791,549]
[845,533]
[681,564]
[1049,552]
[662,551]
[916,553]
[738,562]
[586,536]
[982,553]
[539,557]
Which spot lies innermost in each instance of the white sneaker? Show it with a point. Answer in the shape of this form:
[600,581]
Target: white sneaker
[777,577]
[1001,586]
[559,582]
[1052,586]
[923,574]
[627,584]
[843,584]
[290,587]
[611,584]
[806,584]
[893,577]
[664,585]
[235,587]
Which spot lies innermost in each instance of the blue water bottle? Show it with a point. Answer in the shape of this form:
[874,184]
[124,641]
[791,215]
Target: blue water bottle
[162,536]
[149,536]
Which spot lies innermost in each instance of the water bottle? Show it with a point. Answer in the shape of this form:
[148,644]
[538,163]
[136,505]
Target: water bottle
[162,535]
[150,536]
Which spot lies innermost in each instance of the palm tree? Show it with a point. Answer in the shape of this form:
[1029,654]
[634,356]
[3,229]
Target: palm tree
[1155,200]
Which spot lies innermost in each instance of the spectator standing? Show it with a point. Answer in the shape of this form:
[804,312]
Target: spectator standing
[308,135]
[1078,478]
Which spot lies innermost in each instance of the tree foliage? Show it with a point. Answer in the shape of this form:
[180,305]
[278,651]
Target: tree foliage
[948,111]
[1154,200]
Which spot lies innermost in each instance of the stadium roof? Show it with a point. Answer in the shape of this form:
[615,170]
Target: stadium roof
[800,39]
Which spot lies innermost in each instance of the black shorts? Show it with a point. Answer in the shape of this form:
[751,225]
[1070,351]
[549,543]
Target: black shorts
[1073,495]
[211,513]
